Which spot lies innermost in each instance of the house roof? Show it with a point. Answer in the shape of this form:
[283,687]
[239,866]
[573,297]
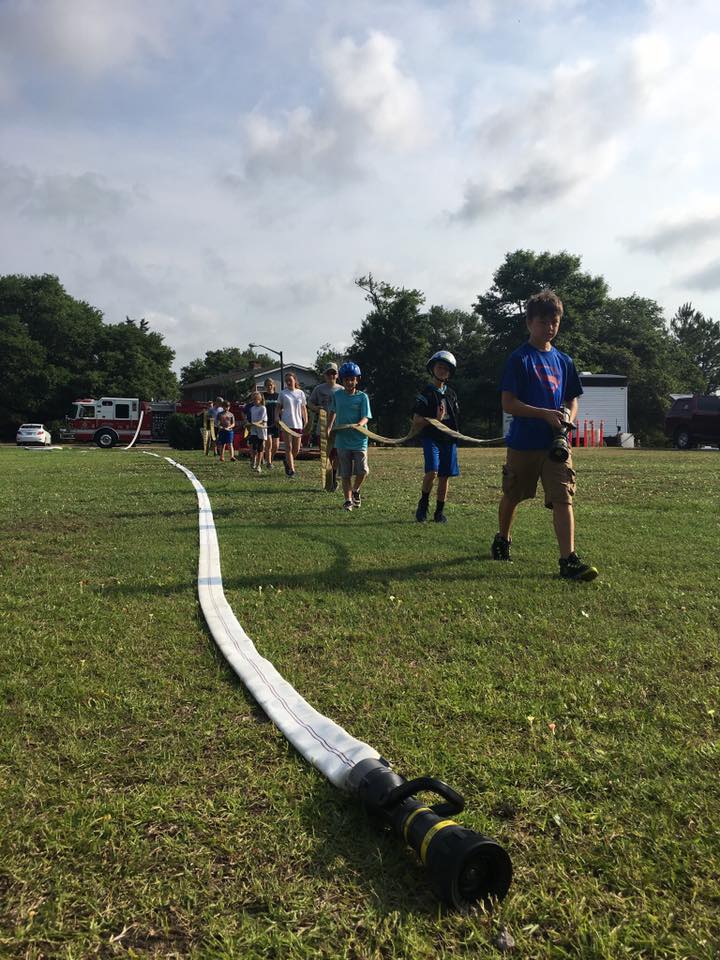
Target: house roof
[234,376]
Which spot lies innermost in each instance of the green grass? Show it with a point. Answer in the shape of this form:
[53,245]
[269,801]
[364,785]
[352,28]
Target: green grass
[148,809]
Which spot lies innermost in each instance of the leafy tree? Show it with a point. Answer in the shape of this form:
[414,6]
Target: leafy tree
[392,347]
[183,432]
[462,333]
[699,336]
[626,335]
[133,361]
[630,338]
[222,361]
[326,354]
[55,349]
[502,312]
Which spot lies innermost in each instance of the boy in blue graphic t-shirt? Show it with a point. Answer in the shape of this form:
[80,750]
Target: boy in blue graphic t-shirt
[540,387]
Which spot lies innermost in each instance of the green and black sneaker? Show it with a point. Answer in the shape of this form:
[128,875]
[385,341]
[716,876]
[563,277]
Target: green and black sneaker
[500,549]
[573,568]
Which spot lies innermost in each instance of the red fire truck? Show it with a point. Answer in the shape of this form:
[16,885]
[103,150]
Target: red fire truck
[112,420]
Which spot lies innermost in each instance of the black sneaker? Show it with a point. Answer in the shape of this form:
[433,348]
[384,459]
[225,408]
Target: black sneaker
[288,471]
[356,501]
[421,512]
[440,518]
[500,549]
[575,569]
[348,505]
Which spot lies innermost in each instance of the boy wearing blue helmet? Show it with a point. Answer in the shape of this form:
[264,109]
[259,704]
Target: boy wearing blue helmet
[350,406]
[437,401]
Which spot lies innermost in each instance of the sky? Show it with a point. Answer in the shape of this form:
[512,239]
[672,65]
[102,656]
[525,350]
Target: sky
[226,169]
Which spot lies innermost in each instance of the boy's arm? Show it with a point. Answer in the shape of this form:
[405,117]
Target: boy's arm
[365,411]
[311,402]
[516,408]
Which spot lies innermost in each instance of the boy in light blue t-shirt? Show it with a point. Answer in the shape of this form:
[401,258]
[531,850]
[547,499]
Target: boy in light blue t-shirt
[350,406]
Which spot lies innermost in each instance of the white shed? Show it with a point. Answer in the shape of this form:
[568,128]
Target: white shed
[604,398]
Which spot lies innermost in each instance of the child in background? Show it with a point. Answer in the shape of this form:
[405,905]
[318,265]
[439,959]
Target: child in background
[226,436]
[271,401]
[350,406]
[293,413]
[320,400]
[258,430]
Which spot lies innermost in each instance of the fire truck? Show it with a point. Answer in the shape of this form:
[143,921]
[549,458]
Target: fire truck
[112,420]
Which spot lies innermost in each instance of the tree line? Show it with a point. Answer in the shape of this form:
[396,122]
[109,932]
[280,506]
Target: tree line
[55,349]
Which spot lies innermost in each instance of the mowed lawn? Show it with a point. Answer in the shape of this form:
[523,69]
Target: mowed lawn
[148,809]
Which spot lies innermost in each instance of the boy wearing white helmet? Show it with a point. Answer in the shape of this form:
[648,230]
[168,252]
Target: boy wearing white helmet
[437,401]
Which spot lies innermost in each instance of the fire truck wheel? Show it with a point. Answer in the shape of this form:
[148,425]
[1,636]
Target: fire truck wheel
[105,439]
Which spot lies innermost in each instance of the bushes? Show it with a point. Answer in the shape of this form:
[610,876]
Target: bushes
[183,432]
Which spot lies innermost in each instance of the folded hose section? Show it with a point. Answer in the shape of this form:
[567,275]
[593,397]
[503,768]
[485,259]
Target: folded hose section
[464,866]
[132,442]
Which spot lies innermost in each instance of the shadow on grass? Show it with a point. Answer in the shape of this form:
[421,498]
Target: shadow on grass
[340,576]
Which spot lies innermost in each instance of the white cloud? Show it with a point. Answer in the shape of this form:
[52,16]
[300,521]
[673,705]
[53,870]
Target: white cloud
[368,84]
[366,103]
[87,37]
[564,134]
[79,199]
[296,145]
[680,234]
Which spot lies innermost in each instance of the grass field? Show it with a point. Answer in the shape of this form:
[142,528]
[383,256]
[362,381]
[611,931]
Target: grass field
[148,809]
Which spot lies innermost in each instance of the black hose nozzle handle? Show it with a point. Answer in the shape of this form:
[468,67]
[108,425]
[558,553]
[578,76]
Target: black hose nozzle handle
[465,867]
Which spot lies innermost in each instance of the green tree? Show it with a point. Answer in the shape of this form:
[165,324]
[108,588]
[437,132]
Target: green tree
[133,361]
[55,348]
[625,335]
[392,347]
[502,312]
[462,333]
[326,354]
[629,336]
[699,336]
[220,361]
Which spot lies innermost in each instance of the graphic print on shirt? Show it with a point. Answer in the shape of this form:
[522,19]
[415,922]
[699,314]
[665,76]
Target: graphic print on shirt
[549,376]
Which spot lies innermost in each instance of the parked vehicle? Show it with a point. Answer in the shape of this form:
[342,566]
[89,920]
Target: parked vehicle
[111,420]
[693,421]
[32,434]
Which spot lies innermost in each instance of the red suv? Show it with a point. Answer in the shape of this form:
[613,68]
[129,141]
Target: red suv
[694,420]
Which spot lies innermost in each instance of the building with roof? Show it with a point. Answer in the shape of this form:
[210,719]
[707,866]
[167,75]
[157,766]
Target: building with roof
[234,384]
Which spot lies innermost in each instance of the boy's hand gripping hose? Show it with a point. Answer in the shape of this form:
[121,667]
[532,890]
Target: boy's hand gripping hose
[464,866]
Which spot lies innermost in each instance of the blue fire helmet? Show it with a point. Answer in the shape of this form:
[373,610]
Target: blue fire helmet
[349,369]
[441,356]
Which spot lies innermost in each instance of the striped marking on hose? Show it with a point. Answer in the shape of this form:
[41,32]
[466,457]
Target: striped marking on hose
[431,833]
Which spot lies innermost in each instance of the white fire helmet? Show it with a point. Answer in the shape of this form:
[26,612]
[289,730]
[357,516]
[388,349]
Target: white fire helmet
[442,356]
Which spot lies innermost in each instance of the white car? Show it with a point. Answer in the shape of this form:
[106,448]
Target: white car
[33,433]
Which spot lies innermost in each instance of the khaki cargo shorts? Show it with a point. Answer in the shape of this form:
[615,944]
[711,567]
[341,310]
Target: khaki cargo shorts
[523,469]
[353,462]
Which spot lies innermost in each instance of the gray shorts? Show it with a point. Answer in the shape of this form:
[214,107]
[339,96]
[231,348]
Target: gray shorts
[352,462]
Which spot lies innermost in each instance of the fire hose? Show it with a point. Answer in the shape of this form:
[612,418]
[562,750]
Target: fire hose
[464,866]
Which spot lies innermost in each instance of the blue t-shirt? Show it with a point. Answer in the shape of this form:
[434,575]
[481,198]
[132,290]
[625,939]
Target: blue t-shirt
[350,408]
[540,379]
